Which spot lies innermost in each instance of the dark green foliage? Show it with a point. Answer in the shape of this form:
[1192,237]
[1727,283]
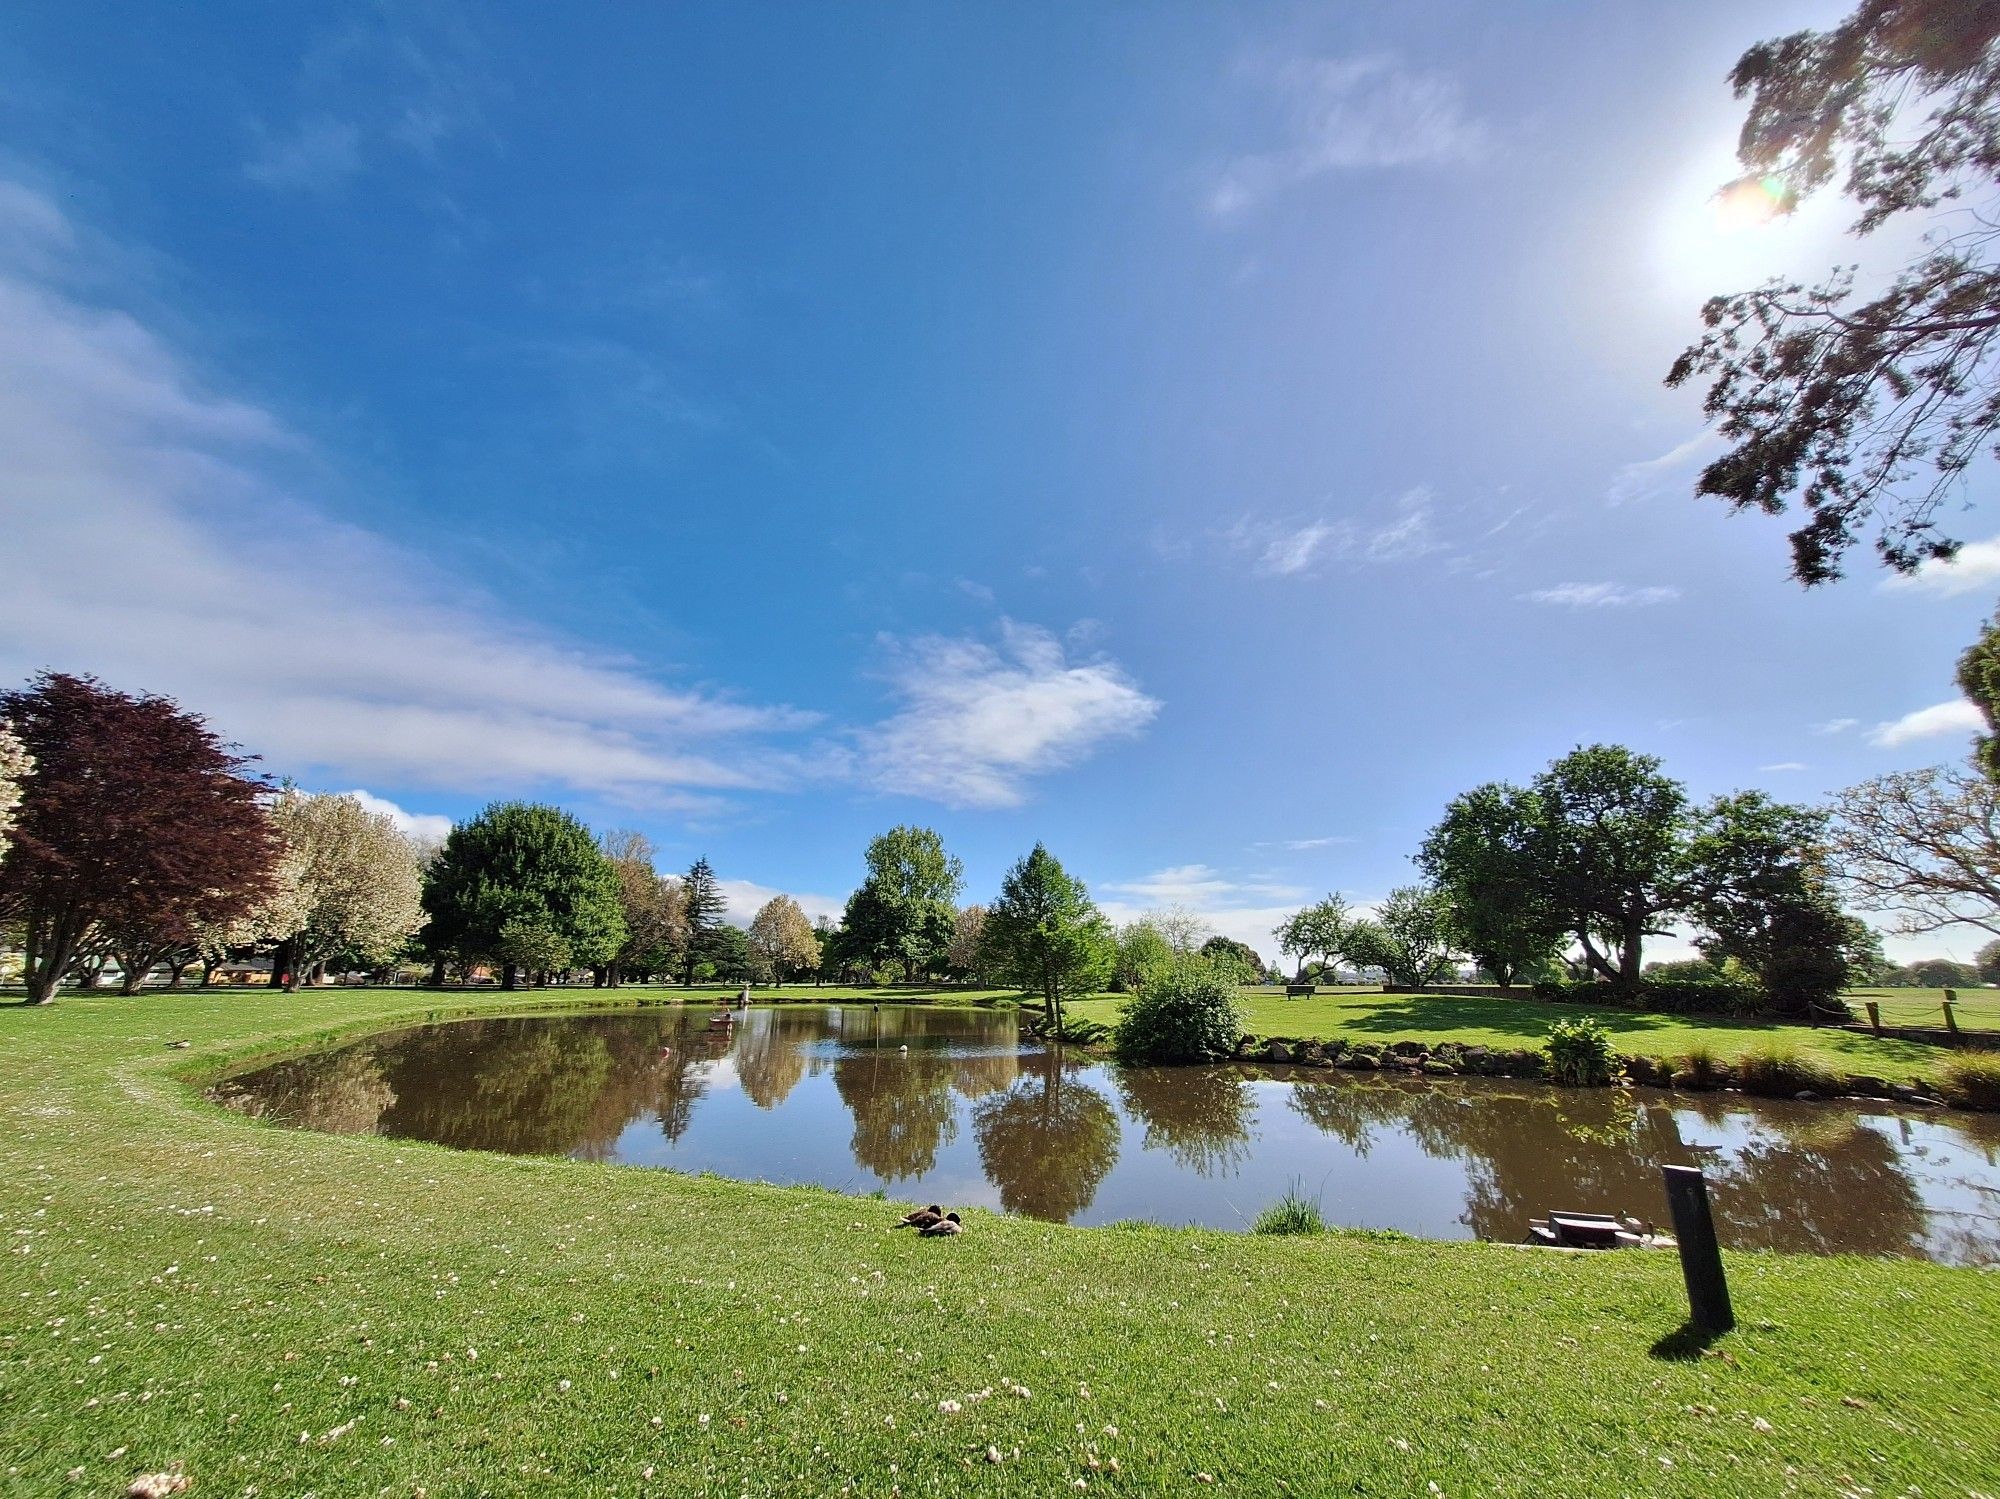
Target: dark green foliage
[701,908]
[1714,993]
[1869,410]
[1239,959]
[1580,1053]
[522,863]
[1482,856]
[905,909]
[1187,1013]
[1610,845]
[1046,934]
[1979,680]
[1762,897]
[1986,962]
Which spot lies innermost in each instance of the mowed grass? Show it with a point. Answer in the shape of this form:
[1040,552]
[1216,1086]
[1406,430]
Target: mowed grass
[1977,1009]
[280,1313]
[1370,1015]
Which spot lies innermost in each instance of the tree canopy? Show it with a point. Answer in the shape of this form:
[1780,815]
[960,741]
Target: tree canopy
[782,941]
[1866,406]
[1319,930]
[1046,934]
[1409,938]
[135,822]
[534,866]
[654,908]
[349,882]
[905,909]
[1482,856]
[701,911]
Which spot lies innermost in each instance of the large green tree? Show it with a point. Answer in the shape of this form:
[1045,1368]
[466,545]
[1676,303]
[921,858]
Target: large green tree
[1047,935]
[905,909]
[1761,895]
[1482,856]
[701,911]
[1611,847]
[529,865]
[1865,403]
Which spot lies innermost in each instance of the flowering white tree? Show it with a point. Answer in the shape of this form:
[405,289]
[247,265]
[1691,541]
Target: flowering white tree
[15,763]
[350,882]
[782,941]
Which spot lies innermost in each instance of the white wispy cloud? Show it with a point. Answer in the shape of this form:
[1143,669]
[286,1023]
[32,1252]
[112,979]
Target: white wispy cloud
[1600,596]
[399,80]
[425,827]
[1671,472]
[1299,845]
[1281,549]
[1975,569]
[1349,114]
[1955,717]
[977,720]
[316,154]
[167,538]
[1786,765]
[1244,910]
[1835,726]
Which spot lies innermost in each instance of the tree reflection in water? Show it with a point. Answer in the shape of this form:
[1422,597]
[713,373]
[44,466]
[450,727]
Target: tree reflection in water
[1199,1115]
[1823,1180]
[1784,1175]
[1049,1141]
[902,1107]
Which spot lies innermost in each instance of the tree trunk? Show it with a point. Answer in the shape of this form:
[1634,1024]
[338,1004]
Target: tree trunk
[282,959]
[208,967]
[510,976]
[177,972]
[1628,961]
[437,972]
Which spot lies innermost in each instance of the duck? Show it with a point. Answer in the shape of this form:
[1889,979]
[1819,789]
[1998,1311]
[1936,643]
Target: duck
[948,1224]
[921,1218]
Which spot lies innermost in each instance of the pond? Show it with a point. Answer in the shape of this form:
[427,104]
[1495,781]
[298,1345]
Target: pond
[954,1106]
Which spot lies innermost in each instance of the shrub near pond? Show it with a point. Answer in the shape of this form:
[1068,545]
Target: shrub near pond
[1972,1080]
[1185,1014]
[1780,1072]
[1580,1053]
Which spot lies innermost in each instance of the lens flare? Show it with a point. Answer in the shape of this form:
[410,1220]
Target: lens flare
[1750,203]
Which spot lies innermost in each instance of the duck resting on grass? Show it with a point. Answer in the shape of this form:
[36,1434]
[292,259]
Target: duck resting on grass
[921,1218]
[948,1224]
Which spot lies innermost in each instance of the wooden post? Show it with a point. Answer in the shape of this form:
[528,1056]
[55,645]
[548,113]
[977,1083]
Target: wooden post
[1951,1019]
[1874,1016]
[1701,1255]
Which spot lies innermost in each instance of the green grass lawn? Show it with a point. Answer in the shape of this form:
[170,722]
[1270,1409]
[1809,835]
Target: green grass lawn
[1978,1009]
[283,1312]
[1370,1015]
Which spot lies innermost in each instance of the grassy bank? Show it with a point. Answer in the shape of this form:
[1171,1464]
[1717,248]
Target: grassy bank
[282,1312]
[1370,1015]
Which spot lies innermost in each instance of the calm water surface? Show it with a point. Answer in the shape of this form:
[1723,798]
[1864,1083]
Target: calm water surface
[970,1114]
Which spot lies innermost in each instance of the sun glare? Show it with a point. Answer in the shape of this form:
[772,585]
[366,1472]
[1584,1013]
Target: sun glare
[1748,203]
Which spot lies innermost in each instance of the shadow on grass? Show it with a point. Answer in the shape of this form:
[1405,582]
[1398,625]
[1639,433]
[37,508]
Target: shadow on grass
[1685,1343]
[1514,1017]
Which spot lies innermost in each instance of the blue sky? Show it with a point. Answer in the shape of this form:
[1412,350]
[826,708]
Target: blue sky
[1202,438]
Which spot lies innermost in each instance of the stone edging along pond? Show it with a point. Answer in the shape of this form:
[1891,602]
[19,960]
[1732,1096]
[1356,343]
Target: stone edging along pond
[1453,1059]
